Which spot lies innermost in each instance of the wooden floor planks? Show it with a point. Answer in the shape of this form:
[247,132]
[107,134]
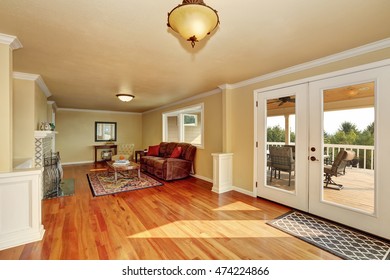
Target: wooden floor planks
[181,220]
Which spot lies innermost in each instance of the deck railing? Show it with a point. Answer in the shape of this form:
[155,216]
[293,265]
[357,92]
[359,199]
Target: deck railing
[364,154]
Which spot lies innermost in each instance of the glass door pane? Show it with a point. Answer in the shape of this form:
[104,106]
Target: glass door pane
[349,145]
[281,143]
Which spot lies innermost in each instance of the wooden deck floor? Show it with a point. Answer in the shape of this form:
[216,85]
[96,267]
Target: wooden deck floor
[182,220]
[358,189]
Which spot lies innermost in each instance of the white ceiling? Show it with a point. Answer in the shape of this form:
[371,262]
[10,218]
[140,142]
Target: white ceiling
[87,51]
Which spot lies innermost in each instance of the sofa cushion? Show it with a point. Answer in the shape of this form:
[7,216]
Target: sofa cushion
[153,150]
[188,151]
[170,168]
[166,148]
[149,160]
[176,152]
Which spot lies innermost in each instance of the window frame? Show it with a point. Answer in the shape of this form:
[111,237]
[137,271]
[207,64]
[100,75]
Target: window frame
[180,113]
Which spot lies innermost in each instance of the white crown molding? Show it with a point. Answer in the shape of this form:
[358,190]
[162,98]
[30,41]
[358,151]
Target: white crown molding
[195,97]
[43,87]
[96,111]
[10,40]
[375,46]
[33,77]
[226,86]
[25,76]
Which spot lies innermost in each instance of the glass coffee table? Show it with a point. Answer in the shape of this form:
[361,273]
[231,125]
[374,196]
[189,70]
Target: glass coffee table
[122,168]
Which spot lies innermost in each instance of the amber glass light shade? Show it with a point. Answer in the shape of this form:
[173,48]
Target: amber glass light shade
[193,20]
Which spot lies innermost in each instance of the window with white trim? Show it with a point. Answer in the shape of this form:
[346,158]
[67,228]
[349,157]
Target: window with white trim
[184,125]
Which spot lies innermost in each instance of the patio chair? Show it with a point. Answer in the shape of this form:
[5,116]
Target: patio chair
[337,168]
[281,159]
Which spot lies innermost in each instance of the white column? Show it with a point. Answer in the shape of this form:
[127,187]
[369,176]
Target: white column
[222,172]
[7,45]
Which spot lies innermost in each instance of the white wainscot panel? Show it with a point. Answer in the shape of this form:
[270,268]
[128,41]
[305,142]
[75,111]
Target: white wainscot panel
[20,208]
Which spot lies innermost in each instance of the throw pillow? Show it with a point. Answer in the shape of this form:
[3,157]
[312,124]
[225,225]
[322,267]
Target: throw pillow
[176,152]
[153,150]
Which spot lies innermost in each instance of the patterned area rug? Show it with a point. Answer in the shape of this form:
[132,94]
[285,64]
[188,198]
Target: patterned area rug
[102,183]
[341,241]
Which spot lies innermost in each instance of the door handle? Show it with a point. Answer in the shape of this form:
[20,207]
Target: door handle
[313,158]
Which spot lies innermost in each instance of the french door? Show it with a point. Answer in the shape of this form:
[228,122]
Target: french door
[363,199]
[318,119]
[282,120]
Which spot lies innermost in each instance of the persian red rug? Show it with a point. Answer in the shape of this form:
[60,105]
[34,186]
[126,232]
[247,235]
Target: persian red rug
[103,183]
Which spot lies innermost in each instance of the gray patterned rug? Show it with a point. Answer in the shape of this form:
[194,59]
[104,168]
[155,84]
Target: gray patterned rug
[341,241]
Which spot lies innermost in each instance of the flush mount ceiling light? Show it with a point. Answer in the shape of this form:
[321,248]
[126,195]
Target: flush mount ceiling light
[125,97]
[193,20]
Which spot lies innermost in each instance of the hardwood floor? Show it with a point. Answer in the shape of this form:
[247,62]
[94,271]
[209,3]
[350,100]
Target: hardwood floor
[180,220]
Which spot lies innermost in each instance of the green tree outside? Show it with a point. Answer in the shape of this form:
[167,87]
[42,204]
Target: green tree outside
[347,133]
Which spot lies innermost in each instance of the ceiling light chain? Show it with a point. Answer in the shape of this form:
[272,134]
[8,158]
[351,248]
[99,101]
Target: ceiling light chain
[193,20]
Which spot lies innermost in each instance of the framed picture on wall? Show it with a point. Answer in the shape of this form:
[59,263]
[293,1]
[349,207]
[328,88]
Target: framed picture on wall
[105,131]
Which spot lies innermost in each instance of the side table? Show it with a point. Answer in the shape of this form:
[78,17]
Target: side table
[106,146]
[139,153]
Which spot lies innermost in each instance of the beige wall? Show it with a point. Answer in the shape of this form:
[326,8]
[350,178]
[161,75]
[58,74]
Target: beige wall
[40,104]
[51,111]
[242,117]
[6,140]
[152,131]
[24,120]
[30,108]
[76,137]
[229,120]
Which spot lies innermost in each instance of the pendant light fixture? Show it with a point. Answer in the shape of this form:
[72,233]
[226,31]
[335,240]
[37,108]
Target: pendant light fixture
[193,20]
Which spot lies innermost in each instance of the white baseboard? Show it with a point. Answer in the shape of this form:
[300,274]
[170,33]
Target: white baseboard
[22,237]
[237,189]
[231,188]
[246,192]
[202,178]
[222,189]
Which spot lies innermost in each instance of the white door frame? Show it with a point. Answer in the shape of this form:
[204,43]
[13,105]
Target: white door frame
[383,135]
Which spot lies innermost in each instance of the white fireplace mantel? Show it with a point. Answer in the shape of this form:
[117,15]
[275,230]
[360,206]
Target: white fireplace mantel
[44,133]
